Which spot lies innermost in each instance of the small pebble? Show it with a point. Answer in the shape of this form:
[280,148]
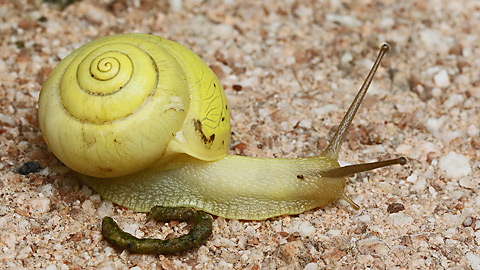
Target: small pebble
[345,20]
[455,165]
[474,260]
[412,178]
[51,267]
[468,222]
[420,185]
[24,253]
[7,119]
[95,16]
[434,125]
[476,224]
[105,209]
[40,205]
[372,245]
[400,219]
[431,38]
[290,251]
[88,207]
[467,182]
[395,207]
[441,79]
[346,58]
[237,87]
[305,228]
[29,167]
[305,123]
[311,266]
[473,131]
[453,100]
[175,5]
[47,190]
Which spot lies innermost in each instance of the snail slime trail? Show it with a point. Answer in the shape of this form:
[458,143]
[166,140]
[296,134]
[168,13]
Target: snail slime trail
[152,134]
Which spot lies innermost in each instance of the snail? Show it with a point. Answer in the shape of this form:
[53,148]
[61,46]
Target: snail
[145,123]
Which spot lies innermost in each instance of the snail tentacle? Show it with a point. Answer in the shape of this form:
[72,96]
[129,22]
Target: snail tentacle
[357,168]
[199,233]
[334,146]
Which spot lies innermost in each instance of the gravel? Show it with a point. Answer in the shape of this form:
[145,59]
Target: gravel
[290,69]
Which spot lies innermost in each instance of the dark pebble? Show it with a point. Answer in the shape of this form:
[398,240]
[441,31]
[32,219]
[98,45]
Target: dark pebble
[237,87]
[395,207]
[29,167]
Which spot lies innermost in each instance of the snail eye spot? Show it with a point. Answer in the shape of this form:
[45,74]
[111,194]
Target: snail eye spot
[301,177]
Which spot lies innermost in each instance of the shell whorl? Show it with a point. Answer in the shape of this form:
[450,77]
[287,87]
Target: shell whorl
[119,104]
[109,81]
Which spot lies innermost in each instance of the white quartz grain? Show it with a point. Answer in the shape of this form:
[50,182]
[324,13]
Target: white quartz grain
[441,79]
[400,219]
[455,165]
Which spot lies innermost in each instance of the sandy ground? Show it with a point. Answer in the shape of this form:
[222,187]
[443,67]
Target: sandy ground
[290,69]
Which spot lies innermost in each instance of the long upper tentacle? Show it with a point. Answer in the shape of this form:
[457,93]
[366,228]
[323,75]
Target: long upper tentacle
[334,146]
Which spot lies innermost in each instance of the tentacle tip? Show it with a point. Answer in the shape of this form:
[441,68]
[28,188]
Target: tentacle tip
[402,160]
[385,47]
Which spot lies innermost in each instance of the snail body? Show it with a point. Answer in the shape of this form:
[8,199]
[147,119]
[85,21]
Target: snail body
[144,122]
[234,187]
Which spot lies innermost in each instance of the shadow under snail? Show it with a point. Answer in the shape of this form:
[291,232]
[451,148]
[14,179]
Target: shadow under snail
[145,123]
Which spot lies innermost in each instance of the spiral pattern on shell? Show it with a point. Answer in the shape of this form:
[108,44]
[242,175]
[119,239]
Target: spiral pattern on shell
[119,104]
[105,77]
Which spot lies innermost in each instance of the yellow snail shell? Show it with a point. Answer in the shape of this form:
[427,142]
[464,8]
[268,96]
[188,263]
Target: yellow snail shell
[124,103]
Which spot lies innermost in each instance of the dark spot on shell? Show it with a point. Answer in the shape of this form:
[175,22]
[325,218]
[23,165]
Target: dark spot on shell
[208,141]
[301,177]
[223,119]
